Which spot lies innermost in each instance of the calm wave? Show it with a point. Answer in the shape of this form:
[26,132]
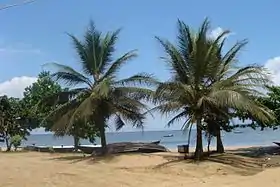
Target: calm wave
[244,137]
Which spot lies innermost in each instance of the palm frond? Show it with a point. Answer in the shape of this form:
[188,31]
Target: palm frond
[177,118]
[102,88]
[174,60]
[83,55]
[116,65]
[68,75]
[92,42]
[170,107]
[174,91]
[138,79]
[229,58]
[107,49]
[84,110]
[185,40]
[129,103]
[135,93]
[188,124]
[119,122]
[252,74]
[60,117]
[131,114]
[62,97]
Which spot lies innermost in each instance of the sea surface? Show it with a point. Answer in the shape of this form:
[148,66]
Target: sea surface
[240,137]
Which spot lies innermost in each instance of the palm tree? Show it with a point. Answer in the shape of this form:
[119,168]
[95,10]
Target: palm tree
[96,93]
[203,78]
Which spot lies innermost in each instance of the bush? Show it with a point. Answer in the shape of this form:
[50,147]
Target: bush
[51,150]
[16,141]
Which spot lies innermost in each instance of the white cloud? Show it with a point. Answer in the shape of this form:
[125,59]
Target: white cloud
[217,31]
[273,66]
[16,86]
[18,48]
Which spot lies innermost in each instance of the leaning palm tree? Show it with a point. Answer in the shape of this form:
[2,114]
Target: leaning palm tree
[204,78]
[96,94]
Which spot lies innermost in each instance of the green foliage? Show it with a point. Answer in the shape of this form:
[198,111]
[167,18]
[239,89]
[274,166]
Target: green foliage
[16,141]
[12,120]
[81,129]
[272,101]
[51,150]
[39,102]
[205,81]
[34,94]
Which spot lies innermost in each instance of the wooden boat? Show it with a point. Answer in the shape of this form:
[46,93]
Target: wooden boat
[129,147]
[89,149]
[156,142]
[56,149]
[42,149]
[63,149]
[277,143]
[125,147]
[237,132]
[169,135]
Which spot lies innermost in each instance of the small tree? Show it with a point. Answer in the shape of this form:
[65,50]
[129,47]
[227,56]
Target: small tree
[34,94]
[16,141]
[81,129]
[272,101]
[12,120]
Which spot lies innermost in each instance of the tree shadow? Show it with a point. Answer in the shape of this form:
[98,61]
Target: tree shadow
[257,152]
[172,160]
[270,154]
[243,165]
[237,164]
[90,159]
[72,158]
[246,161]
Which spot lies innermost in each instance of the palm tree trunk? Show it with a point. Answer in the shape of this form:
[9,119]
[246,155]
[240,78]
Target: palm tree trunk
[103,139]
[189,141]
[208,143]
[8,144]
[199,146]
[76,142]
[220,146]
[189,135]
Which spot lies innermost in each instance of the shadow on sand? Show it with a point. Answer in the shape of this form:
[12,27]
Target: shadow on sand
[270,155]
[245,161]
[89,158]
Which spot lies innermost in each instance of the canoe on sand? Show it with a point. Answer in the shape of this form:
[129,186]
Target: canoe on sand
[126,147]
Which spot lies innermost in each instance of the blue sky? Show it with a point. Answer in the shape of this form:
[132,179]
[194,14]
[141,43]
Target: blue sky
[34,34]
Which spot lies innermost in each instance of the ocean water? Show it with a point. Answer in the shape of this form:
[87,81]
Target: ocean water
[244,137]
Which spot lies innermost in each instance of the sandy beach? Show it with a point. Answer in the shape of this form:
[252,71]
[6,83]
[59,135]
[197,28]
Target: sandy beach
[31,169]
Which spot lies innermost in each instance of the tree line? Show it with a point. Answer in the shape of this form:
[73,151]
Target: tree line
[208,88]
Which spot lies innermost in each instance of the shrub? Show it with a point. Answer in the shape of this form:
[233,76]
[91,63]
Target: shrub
[16,141]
